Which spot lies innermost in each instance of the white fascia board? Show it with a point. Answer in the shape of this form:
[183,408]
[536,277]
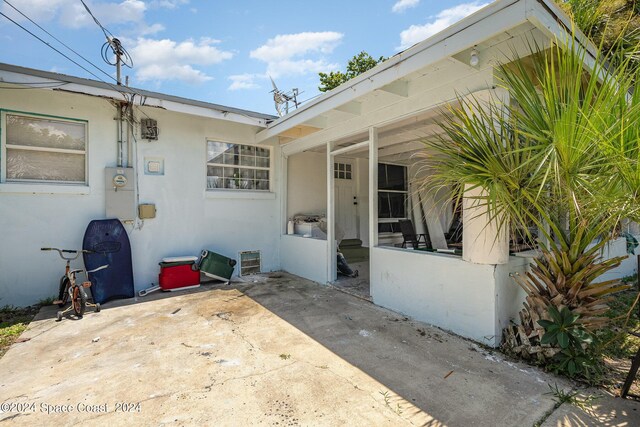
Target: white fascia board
[200,111]
[75,88]
[494,18]
[477,83]
[554,23]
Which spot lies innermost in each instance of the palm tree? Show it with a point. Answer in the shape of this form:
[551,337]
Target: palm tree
[613,25]
[562,156]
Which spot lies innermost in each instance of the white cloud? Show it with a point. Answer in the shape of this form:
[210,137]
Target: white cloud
[402,5]
[76,16]
[72,14]
[38,10]
[286,46]
[167,59]
[244,81]
[167,4]
[163,72]
[299,67]
[147,30]
[444,19]
[288,54]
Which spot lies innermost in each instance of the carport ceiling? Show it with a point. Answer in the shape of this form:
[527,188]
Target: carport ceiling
[397,141]
[406,110]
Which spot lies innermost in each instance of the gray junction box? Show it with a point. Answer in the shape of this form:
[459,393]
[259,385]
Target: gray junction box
[120,193]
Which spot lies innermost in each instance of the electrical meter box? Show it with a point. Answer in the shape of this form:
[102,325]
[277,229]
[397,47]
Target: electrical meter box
[120,193]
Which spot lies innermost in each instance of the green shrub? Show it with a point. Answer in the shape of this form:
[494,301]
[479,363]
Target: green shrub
[576,356]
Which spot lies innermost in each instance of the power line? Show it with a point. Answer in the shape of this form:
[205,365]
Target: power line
[59,41]
[112,42]
[107,33]
[70,59]
[61,53]
[104,30]
[46,83]
[51,86]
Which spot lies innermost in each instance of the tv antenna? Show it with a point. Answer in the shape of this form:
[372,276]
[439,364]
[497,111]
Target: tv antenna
[282,99]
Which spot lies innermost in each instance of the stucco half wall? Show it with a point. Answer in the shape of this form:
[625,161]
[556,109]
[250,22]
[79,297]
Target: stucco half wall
[305,257]
[472,300]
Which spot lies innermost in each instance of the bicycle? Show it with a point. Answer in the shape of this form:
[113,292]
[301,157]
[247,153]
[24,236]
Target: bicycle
[69,289]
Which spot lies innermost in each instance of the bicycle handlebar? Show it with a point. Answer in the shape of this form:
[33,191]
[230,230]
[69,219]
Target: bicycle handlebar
[61,252]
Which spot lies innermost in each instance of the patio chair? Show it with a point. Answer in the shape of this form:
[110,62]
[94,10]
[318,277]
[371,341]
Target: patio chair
[409,235]
[454,235]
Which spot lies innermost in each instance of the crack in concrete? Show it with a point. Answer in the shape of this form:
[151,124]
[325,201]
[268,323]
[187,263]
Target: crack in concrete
[547,415]
[38,334]
[259,374]
[12,417]
[550,412]
[367,392]
[226,316]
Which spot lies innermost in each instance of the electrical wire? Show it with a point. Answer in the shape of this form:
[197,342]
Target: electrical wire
[73,61]
[52,86]
[49,45]
[61,53]
[59,41]
[127,60]
[118,50]
[28,83]
[106,32]
[112,42]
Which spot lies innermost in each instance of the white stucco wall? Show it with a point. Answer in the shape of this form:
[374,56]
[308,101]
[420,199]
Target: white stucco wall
[628,267]
[509,295]
[307,184]
[305,257]
[439,289]
[188,217]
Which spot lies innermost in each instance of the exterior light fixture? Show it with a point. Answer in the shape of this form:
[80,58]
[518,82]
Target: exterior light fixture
[474,60]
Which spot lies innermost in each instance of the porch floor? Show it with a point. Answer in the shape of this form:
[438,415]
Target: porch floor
[358,259]
[357,286]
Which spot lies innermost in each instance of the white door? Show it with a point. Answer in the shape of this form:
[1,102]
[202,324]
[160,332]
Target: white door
[345,199]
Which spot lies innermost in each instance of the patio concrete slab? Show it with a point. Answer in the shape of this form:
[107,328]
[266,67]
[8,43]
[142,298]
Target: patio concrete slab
[277,351]
[602,410]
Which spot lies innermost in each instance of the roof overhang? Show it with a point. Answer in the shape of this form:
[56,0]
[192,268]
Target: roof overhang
[15,75]
[391,76]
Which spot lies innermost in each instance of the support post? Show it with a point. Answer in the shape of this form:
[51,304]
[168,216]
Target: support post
[331,217]
[482,242]
[284,188]
[373,193]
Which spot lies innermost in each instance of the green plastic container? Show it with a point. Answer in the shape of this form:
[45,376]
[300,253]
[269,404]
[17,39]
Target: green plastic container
[216,266]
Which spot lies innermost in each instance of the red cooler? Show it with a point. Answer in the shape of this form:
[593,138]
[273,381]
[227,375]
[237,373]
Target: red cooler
[179,273]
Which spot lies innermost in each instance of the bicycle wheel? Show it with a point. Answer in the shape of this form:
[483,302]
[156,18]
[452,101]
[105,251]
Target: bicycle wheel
[79,301]
[63,291]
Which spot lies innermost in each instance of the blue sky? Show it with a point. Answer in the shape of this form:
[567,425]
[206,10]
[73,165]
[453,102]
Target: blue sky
[224,51]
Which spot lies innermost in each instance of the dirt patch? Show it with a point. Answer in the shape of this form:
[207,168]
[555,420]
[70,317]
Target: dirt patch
[14,321]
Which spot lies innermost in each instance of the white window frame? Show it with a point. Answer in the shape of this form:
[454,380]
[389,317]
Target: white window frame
[347,174]
[405,192]
[5,183]
[239,192]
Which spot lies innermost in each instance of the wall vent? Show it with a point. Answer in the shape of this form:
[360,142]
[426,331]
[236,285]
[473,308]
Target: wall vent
[149,129]
[250,262]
